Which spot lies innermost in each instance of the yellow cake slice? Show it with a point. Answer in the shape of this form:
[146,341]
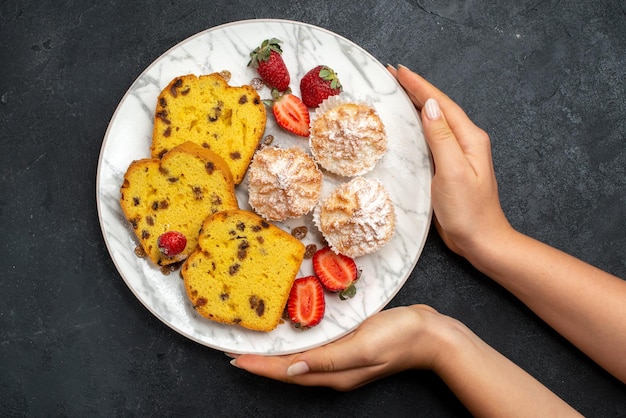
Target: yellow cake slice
[175,193]
[242,270]
[229,120]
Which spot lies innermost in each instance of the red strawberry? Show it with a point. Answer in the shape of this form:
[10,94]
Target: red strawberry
[319,84]
[337,272]
[171,243]
[306,304]
[290,113]
[268,61]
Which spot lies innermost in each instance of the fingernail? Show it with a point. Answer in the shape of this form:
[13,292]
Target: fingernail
[431,107]
[297,369]
[231,355]
[234,363]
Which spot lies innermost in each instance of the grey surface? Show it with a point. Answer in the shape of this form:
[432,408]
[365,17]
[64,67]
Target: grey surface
[545,79]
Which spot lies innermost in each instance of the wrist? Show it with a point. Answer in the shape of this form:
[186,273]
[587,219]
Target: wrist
[485,249]
[453,341]
[436,339]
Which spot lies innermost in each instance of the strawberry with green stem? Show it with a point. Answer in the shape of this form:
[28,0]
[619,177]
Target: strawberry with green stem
[268,61]
[319,84]
[336,272]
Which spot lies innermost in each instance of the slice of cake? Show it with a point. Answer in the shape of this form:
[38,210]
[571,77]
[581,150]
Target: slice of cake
[175,193]
[205,110]
[242,270]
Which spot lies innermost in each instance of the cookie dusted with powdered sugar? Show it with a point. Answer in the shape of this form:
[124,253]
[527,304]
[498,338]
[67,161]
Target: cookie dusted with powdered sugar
[283,183]
[347,138]
[357,217]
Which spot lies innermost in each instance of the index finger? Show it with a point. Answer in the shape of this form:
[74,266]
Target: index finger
[473,141]
[336,356]
[339,365]
[274,367]
[420,90]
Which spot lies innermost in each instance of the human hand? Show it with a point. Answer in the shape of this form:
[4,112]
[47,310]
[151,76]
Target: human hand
[464,191]
[388,342]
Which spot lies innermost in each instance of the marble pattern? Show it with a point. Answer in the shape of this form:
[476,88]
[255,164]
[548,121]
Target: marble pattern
[405,170]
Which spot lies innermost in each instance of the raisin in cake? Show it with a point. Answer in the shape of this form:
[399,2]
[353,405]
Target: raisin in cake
[175,193]
[228,120]
[242,270]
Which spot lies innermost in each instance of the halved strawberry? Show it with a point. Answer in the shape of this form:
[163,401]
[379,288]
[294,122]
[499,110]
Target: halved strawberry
[337,272]
[290,113]
[306,304]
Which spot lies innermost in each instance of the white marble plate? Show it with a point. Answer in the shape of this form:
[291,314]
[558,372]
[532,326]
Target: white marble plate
[405,170]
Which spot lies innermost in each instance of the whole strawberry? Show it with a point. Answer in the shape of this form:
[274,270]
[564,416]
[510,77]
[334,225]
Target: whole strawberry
[171,243]
[268,61]
[318,84]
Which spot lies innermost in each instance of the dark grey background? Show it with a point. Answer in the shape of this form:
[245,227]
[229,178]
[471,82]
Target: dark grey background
[544,78]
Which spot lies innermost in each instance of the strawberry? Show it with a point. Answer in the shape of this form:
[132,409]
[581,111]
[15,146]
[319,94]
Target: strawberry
[171,243]
[290,113]
[337,272]
[306,304]
[268,61]
[318,84]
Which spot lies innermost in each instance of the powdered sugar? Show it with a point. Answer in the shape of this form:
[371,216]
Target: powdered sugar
[357,218]
[347,138]
[283,183]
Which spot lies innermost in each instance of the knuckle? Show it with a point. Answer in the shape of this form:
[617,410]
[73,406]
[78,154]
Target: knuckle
[326,364]
[441,132]
[482,135]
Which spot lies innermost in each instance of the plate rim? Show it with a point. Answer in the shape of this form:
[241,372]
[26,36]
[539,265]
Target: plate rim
[99,205]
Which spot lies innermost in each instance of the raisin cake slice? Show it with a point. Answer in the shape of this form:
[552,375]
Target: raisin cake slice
[175,193]
[229,120]
[242,270]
